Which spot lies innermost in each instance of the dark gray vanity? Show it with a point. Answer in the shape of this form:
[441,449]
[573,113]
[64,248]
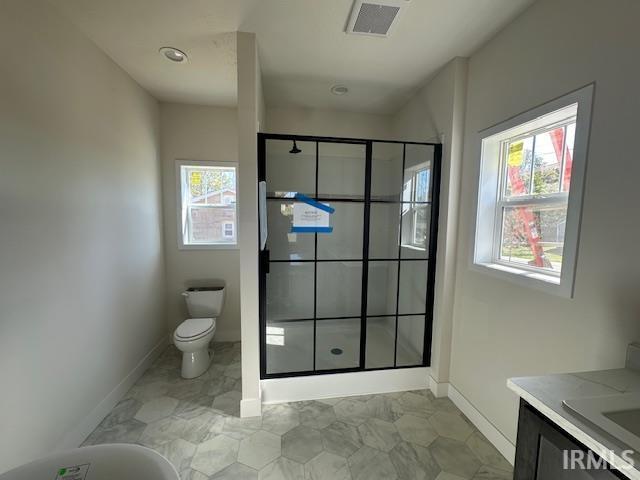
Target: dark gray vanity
[579,426]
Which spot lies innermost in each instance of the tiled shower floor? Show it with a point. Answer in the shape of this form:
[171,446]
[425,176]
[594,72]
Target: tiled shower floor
[195,424]
[291,344]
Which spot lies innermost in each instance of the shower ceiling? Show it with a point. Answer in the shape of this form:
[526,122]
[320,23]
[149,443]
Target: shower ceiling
[303,47]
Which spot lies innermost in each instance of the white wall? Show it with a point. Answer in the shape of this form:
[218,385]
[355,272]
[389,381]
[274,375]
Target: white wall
[501,329]
[436,114]
[327,123]
[81,262]
[191,132]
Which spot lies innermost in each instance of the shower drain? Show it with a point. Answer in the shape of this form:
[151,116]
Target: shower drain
[336,351]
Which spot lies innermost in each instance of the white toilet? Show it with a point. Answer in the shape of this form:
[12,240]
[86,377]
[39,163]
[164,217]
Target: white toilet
[193,336]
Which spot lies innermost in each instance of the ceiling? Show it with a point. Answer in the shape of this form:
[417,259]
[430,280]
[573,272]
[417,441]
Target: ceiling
[302,44]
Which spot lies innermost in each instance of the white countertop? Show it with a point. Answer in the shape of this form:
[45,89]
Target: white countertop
[546,394]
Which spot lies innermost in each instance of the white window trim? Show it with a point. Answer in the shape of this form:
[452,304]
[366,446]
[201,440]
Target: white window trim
[181,210]
[488,175]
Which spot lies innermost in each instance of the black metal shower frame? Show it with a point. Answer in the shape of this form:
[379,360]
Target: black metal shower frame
[264,261]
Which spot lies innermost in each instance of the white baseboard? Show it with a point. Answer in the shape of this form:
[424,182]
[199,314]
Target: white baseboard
[439,390]
[315,387]
[502,443]
[74,438]
[250,407]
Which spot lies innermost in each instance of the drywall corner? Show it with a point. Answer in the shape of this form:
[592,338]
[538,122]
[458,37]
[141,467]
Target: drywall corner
[453,137]
[250,106]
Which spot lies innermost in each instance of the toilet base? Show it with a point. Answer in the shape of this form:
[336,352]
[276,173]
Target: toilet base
[196,363]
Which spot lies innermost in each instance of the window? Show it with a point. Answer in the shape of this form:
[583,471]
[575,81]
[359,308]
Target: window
[207,204]
[530,193]
[533,197]
[415,221]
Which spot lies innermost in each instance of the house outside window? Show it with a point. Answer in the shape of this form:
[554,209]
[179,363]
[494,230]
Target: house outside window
[530,194]
[228,230]
[207,207]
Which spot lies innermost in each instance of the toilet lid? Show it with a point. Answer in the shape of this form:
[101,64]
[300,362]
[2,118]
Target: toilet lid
[193,327]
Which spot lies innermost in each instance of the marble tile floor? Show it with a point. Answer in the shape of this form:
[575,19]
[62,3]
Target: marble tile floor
[195,424]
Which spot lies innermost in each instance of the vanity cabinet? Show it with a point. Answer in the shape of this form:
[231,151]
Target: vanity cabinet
[540,451]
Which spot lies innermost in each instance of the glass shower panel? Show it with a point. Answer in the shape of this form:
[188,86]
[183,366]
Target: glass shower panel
[382,288]
[386,171]
[341,170]
[413,287]
[288,346]
[410,340]
[384,228]
[337,344]
[288,173]
[339,289]
[312,282]
[289,291]
[281,242]
[345,242]
[380,342]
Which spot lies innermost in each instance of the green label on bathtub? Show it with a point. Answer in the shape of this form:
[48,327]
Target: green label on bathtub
[76,472]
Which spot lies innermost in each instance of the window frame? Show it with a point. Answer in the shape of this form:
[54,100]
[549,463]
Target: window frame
[490,184]
[182,218]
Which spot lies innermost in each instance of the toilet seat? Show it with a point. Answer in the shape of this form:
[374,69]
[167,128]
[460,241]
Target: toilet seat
[194,328]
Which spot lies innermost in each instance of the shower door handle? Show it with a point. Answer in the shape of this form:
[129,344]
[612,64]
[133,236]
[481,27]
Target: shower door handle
[265,258]
[262,214]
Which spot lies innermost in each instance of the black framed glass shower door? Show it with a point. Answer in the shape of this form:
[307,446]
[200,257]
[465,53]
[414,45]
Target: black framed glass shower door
[359,297]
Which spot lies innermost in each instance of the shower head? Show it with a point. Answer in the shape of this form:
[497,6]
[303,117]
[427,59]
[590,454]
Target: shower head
[295,148]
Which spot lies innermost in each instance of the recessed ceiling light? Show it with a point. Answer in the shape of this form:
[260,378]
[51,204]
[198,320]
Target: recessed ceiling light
[339,89]
[173,54]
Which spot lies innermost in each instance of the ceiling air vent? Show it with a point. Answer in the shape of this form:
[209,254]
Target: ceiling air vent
[374,17]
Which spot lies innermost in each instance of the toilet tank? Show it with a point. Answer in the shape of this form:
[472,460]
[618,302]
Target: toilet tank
[203,302]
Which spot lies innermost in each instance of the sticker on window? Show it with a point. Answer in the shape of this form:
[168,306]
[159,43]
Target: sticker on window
[515,154]
[196,178]
[76,472]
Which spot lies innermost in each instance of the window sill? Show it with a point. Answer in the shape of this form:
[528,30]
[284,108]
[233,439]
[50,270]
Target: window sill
[546,283]
[413,247]
[209,247]
[522,273]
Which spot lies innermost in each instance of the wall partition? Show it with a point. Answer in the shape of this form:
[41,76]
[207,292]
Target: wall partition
[356,291]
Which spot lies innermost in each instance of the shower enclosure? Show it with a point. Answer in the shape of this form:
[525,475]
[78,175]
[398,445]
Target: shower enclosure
[357,295]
